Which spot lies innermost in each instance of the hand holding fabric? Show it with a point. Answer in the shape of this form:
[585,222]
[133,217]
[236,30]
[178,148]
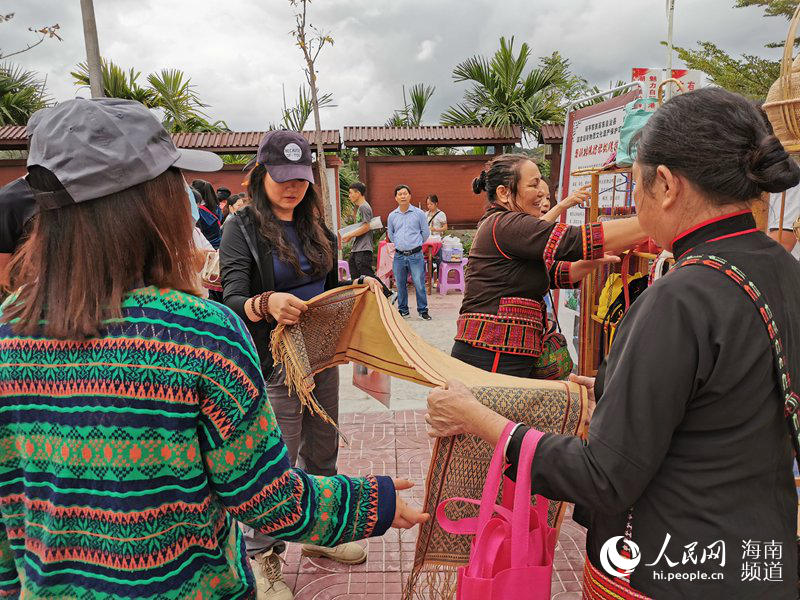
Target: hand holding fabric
[286,308]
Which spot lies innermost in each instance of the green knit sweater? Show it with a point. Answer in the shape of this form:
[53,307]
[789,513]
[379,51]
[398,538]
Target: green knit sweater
[125,461]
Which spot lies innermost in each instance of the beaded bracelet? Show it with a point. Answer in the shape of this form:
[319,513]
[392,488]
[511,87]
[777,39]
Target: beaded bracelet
[263,306]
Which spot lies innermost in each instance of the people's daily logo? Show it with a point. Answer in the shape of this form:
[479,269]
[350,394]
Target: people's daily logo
[293,152]
[614,563]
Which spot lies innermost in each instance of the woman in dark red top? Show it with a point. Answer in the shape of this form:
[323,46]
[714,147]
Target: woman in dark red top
[515,259]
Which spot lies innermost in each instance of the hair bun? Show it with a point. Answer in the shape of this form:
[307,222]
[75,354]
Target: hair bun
[479,183]
[771,167]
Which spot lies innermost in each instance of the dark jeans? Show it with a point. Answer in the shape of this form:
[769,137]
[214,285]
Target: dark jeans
[402,266]
[360,264]
[507,364]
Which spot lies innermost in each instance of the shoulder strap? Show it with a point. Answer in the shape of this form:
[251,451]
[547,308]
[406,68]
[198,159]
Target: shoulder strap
[250,245]
[790,399]
[201,207]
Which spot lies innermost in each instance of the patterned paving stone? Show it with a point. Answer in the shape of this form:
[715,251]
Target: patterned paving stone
[396,444]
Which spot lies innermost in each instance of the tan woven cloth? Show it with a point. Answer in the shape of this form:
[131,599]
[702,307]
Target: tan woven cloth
[353,324]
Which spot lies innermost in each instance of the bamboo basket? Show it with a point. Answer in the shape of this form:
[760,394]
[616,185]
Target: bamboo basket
[783,100]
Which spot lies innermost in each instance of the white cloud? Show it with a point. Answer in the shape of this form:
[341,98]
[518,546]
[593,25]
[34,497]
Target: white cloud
[426,49]
[239,53]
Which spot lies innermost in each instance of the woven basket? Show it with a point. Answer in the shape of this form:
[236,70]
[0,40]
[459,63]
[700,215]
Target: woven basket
[783,100]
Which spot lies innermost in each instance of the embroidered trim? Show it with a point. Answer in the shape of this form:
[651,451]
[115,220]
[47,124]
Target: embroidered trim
[561,276]
[517,327]
[599,586]
[550,249]
[593,241]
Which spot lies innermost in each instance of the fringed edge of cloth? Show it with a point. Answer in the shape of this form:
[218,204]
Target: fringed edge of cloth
[297,381]
[431,581]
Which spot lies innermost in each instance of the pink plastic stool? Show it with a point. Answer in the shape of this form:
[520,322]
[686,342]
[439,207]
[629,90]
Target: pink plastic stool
[344,270]
[455,268]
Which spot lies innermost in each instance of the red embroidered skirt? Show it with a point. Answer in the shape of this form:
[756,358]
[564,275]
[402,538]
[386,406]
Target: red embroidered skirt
[517,328]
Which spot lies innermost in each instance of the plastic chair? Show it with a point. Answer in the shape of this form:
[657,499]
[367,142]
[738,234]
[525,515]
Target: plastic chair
[344,270]
[456,269]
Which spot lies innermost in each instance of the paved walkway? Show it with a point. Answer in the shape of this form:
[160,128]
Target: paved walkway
[394,442]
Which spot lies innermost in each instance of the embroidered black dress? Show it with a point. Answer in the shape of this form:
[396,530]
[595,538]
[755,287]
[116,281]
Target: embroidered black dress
[689,428]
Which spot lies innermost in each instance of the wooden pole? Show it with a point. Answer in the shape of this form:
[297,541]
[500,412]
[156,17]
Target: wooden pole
[92,49]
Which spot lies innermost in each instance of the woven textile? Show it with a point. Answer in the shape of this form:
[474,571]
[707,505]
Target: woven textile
[125,459]
[352,324]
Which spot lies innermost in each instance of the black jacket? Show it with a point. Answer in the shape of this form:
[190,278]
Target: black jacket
[245,265]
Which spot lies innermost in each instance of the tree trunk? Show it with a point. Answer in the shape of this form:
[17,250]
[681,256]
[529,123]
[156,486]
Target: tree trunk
[323,178]
[92,49]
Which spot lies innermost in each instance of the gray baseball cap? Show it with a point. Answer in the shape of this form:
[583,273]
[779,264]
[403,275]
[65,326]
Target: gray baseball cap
[104,145]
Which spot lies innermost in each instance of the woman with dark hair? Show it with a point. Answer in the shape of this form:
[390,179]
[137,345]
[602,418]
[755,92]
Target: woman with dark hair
[211,217]
[515,259]
[277,253]
[135,417]
[688,461]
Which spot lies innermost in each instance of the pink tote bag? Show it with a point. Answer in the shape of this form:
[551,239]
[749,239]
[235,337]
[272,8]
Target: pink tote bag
[512,553]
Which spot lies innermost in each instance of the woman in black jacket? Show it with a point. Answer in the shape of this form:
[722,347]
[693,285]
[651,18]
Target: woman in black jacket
[276,254]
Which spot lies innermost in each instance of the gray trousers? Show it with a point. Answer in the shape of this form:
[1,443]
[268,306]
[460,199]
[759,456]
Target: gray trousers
[312,444]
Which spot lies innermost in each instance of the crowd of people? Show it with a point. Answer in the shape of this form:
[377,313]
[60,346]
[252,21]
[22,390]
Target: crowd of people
[154,449]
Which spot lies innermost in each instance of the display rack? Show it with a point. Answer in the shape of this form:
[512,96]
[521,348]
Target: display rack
[591,326]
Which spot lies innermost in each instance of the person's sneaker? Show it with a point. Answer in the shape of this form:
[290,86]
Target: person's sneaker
[349,553]
[425,316]
[403,313]
[269,577]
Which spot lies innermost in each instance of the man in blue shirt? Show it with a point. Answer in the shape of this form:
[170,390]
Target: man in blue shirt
[407,228]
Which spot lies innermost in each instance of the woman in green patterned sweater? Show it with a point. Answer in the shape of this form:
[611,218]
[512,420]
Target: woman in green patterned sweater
[134,425]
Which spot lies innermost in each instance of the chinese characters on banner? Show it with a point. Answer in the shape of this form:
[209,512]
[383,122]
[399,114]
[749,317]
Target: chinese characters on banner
[591,141]
[651,78]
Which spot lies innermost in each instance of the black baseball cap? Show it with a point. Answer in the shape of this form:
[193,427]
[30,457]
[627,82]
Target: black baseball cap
[104,145]
[286,155]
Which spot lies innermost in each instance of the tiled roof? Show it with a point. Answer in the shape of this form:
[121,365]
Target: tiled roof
[435,135]
[552,133]
[12,137]
[235,142]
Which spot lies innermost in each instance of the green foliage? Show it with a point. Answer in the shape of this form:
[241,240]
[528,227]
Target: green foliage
[503,93]
[772,8]
[169,90]
[296,117]
[749,75]
[21,95]
[411,115]
[117,83]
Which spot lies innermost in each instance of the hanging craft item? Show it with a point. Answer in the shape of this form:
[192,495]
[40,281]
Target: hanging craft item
[796,228]
[637,113]
[783,99]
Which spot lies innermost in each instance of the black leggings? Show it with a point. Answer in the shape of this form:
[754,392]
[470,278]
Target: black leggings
[494,362]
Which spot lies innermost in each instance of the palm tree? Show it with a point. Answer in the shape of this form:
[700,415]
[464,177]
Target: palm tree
[296,117]
[502,93]
[21,95]
[170,90]
[117,83]
[411,115]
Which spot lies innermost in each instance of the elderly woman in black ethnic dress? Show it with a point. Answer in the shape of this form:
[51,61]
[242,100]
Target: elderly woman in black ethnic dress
[688,455]
[515,259]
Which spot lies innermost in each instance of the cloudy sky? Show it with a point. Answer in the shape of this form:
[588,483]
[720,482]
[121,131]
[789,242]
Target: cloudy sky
[239,52]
